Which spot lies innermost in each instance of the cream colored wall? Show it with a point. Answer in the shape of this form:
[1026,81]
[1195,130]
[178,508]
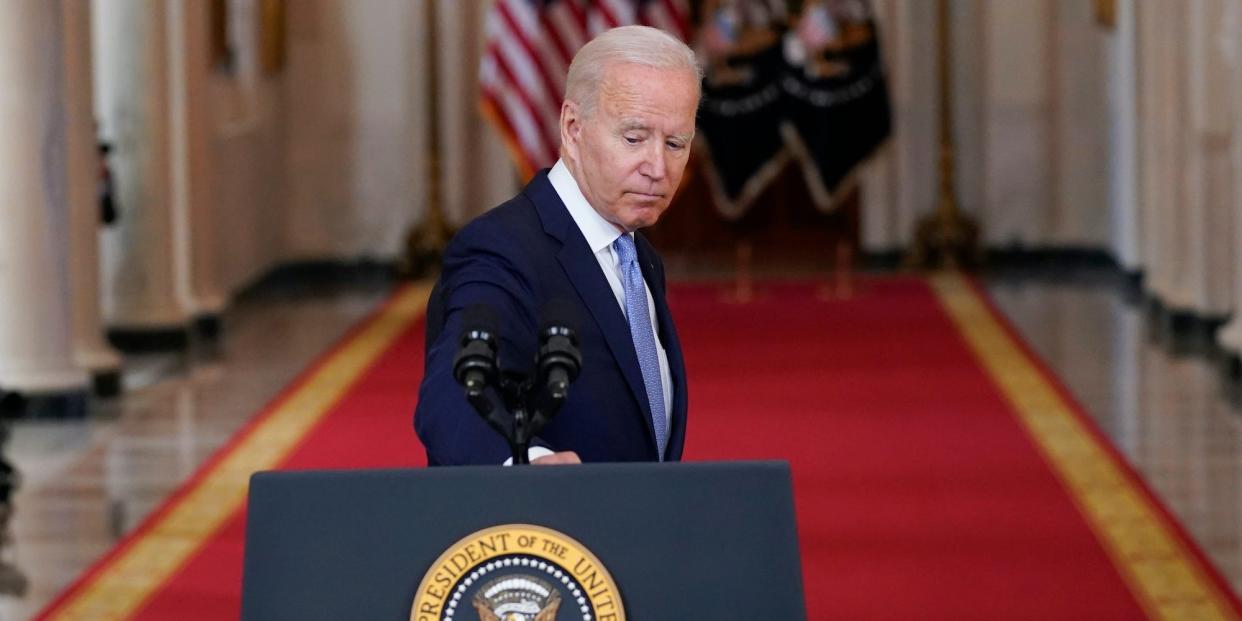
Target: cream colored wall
[1230,336]
[899,184]
[1030,116]
[247,128]
[326,159]
[357,149]
[476,172]
[357,121]
[1187,128]
[1045,102]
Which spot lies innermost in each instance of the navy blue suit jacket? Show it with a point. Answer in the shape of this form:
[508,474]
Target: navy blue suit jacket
[514,259]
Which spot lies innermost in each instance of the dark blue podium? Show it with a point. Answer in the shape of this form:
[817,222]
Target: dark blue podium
[682,542]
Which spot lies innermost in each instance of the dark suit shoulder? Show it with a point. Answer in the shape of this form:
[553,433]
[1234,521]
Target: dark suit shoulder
[500,222]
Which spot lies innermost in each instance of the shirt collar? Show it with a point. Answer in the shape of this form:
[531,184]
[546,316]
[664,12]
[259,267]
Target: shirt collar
[599,233]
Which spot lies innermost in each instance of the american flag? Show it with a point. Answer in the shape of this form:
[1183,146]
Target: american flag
[529,46]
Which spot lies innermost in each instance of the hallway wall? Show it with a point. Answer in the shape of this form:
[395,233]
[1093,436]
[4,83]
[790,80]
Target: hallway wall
[327,157]
[1030,128]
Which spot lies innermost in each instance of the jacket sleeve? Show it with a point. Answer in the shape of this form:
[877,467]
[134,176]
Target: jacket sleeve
[481,267]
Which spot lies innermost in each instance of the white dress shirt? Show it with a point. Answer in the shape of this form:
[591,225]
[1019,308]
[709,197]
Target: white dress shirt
[600,234]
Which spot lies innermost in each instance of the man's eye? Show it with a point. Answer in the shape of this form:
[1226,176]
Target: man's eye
[674,145]
[632,139]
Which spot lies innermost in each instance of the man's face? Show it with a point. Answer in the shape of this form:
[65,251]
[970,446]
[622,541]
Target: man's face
[628,156]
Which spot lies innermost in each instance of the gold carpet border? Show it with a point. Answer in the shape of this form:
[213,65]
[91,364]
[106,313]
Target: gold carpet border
[1166,578]
[118,589]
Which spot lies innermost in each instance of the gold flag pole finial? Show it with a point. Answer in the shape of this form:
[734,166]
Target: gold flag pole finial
[946,237]
[425,242]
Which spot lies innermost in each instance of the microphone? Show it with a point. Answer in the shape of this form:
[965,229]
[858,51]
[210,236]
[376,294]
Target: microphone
[475,364]
[559,359]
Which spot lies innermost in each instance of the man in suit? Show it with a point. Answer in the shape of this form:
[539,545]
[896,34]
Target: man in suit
[570,238]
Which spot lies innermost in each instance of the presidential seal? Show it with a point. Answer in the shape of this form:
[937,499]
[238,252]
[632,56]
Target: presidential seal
[517,572]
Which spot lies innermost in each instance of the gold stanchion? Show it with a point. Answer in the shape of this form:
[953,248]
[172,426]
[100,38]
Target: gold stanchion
[425,242]
[743,282]
[946,237]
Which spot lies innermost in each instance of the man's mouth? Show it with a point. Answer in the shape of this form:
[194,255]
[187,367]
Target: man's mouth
[643,196]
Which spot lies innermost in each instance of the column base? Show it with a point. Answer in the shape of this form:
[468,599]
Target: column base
[106,384]
[61,404]
[1230,337]
[1183,332]
[104,366]
[144,340]
[209,326]
[1231,375]
[1132,285]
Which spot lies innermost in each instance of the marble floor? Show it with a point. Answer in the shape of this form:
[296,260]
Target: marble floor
[1165,402]
[86,483]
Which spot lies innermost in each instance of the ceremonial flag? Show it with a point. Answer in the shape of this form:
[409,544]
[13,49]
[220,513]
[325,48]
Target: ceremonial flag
[836,96]
[530,44]
[739,44]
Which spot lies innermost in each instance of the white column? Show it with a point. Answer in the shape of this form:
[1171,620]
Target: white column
[140,258]
[1020,142]
[476,170]
[1123,182]
[1230,337]
[1163,27]
[1078,119]
[1194,204]
[1147,31]
[1205,219]
[902,187]
[36,350]
[90,351]
[194,242]
[879,231]
[968,67]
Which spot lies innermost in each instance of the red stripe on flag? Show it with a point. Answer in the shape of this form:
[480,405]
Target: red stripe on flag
[576,12]
[532,58]
[515,89]
[609,14]
[550,28]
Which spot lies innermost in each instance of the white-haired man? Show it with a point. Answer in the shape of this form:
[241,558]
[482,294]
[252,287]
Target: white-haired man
[570,237]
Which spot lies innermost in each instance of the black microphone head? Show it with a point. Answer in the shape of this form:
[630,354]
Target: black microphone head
[475,363]
[559,356]
[479,321]
[559,316]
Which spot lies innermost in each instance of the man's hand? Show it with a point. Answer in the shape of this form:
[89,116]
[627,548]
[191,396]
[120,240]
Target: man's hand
[563,457]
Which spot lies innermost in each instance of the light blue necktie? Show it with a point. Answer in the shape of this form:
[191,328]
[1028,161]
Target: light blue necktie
[639,316]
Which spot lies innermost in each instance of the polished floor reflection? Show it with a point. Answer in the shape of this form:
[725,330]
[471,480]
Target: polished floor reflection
[86,483]
[1163,401]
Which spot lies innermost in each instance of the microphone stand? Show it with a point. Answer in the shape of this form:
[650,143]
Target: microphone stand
[530,403]
[516,394]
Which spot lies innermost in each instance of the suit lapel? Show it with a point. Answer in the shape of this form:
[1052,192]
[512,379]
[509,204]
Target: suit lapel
[584,274]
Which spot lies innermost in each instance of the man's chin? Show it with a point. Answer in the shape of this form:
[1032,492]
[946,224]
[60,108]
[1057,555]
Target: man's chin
[641,223]
[641,216]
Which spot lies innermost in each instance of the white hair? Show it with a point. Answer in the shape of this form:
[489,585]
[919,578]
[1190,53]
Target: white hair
[638,45]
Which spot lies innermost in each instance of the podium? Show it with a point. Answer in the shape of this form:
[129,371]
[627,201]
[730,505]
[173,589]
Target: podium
[618,541]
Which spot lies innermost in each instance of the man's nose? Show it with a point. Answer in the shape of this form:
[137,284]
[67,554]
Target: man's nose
[653,161]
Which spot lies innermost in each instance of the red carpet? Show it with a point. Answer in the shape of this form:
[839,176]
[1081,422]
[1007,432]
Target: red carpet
[939,471]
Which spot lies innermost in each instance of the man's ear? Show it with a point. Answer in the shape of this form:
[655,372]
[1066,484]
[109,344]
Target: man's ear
[571,126]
